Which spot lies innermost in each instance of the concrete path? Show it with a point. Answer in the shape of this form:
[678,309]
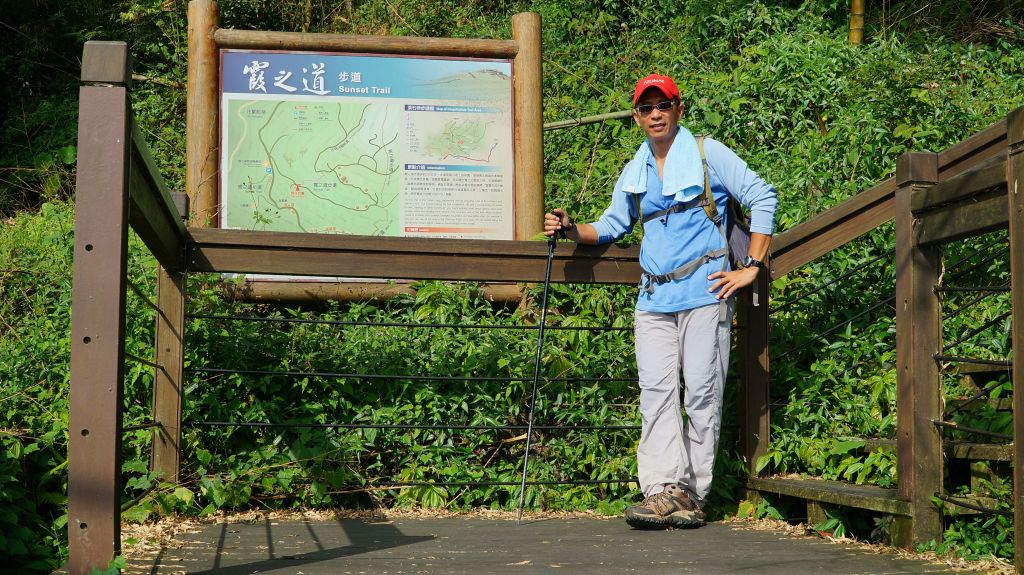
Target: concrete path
[475,545]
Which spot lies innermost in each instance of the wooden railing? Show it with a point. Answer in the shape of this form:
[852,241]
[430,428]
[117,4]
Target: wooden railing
[966,190]
[119,186]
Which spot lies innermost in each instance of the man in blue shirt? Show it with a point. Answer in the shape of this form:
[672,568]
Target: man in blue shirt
[684,309]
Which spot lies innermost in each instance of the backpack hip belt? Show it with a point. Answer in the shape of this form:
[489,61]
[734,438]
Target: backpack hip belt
[648,281]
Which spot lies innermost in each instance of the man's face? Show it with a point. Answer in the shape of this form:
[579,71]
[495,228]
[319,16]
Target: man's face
[659,125]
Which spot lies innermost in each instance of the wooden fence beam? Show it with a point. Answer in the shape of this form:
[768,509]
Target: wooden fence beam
[236,251]
[982,214]
[98,310]
[832,228]
[152,211]
[1015,187]
[919,394]
[973,151]
[449,47]
[983,179]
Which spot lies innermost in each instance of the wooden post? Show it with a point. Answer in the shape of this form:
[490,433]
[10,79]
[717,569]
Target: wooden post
[815,513]
[1015,189]
[529,125]
[754,399]
[98,308]
[918,333]
[201,120]
[168,383]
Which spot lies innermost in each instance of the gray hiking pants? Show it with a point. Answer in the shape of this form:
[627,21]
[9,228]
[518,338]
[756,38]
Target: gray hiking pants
[671,450]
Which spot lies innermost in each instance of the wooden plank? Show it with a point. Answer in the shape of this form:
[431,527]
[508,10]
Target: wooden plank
[988,177]
[868,497]
[180,200]
[953,449]
[919,401]
[97,328]
[238,251]
[168,381]
[528,120]
[396,265]
[296,241]
[973,151]
[754,396]
[998,404]
[832,228]
[411,45]
[979,369]
[979,451]
[983,214]
[987,502]
[152,213]
[319,291]
[201,119]
[1015,202]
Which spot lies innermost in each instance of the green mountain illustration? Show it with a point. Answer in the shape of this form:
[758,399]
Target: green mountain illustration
[484,84]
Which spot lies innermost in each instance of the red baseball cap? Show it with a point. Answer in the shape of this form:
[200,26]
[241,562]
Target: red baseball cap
[661,83]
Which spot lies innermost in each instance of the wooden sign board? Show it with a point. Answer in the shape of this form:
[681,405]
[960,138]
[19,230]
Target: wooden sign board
[384,145]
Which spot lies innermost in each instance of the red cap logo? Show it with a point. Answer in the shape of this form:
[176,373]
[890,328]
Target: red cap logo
[664,84]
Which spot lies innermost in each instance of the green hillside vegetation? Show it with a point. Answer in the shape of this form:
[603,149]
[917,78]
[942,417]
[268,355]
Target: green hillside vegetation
[774,80]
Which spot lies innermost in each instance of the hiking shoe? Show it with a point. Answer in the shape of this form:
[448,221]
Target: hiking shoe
[673,507]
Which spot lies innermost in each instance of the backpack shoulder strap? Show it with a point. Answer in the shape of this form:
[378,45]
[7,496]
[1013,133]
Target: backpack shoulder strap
[709,200]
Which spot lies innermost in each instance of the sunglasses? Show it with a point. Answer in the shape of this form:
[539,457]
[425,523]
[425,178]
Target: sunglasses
[663,106]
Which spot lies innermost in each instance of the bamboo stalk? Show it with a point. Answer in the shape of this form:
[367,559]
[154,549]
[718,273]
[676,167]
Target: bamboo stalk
[856,22]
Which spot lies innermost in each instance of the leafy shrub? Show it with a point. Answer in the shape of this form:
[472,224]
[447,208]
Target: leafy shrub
[774,80]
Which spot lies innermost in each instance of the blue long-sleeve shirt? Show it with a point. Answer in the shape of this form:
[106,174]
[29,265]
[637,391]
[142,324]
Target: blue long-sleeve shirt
[687,235]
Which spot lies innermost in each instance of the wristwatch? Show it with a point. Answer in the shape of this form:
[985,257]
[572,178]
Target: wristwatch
[751,262]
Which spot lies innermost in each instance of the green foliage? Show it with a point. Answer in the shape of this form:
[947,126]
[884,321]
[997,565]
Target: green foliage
[319,467]
[113,568]
[980,536]
[34,316]
[774,80]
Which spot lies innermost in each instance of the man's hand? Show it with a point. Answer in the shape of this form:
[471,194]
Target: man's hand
[729,282]
[557,221]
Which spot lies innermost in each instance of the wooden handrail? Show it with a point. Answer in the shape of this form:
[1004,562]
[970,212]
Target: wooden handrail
[237,251]
[152,212]
[873,207]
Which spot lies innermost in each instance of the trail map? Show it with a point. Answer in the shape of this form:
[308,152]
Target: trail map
[324,143]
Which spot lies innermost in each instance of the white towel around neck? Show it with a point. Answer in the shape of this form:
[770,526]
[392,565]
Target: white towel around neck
[683,175]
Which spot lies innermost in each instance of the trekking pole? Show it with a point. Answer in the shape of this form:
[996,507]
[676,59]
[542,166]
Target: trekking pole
[536,374]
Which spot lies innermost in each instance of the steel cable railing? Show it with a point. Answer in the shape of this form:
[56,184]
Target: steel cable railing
[400,377]
[406,426]
[972,506]
[611,427]
[832,282]
[407,325]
